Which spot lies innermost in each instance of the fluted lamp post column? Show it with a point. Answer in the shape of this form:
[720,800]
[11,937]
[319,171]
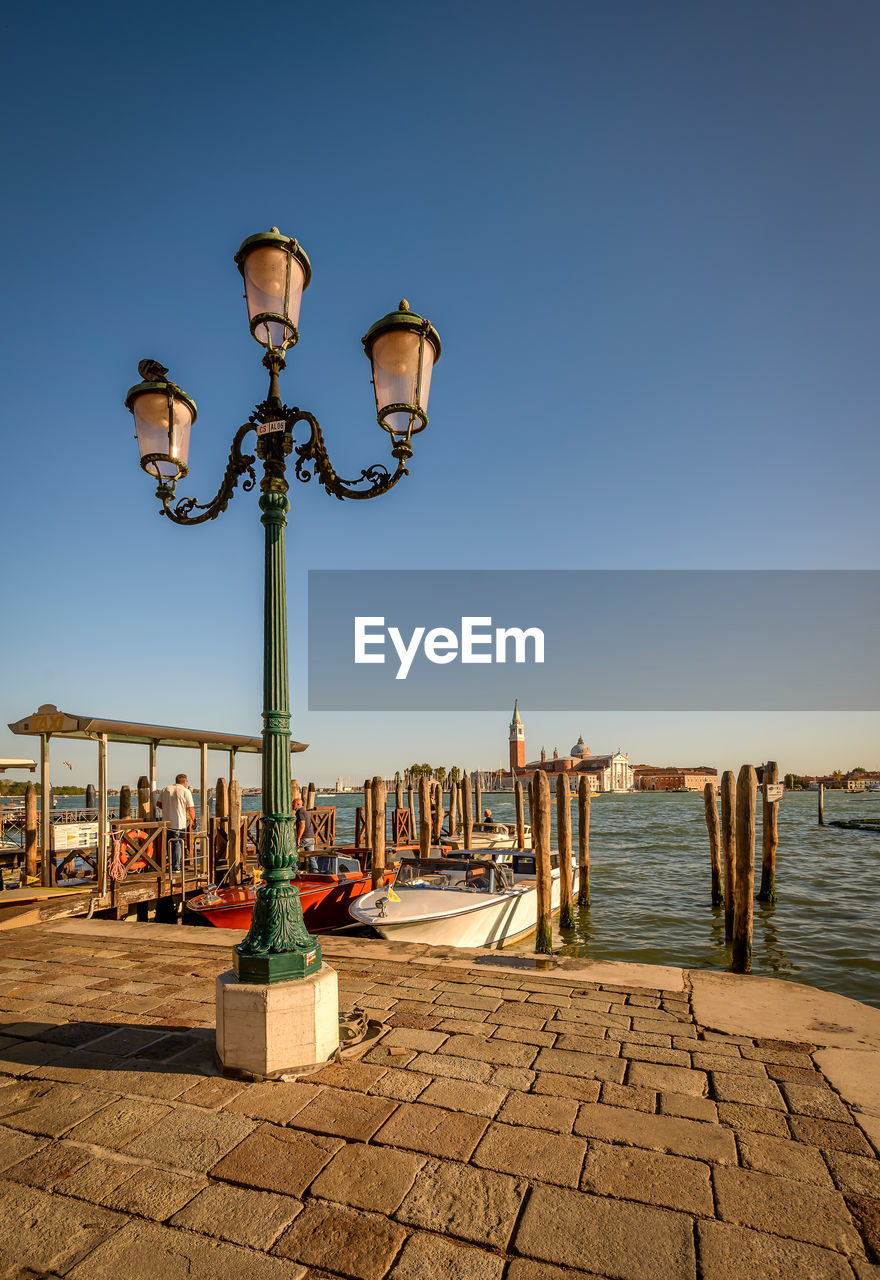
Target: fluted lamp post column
[277,1008]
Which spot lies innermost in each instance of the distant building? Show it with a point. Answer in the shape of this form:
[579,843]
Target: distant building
[517,742]
[611,772]
[650,777]
[862,781]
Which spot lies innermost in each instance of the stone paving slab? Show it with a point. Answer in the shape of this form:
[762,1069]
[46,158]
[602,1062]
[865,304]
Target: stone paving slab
[147,1250]
[50,1233]
[242,1216]
[565,1122]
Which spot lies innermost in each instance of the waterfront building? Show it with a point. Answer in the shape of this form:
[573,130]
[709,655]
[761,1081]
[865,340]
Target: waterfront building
[648,777]
[611,772]
[862,780]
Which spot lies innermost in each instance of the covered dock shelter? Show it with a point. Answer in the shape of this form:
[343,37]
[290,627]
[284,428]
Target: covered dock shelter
[48,722]
[16,763]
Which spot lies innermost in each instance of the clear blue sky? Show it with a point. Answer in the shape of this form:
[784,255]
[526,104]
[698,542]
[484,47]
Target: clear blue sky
[646,233]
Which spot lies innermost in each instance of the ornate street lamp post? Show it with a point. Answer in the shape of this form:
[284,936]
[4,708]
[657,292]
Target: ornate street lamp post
[402,349]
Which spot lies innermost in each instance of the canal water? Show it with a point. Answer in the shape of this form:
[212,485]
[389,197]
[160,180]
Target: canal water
[650,887]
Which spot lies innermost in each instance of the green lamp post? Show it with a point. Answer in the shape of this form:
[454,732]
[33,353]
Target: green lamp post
[402,349]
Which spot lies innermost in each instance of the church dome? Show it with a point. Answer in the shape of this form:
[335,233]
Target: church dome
[580,750]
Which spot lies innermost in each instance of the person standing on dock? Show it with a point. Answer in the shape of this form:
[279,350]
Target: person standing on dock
[179,811]
[305,831]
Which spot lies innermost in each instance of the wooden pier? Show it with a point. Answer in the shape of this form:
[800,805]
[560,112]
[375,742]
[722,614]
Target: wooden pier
[125,861]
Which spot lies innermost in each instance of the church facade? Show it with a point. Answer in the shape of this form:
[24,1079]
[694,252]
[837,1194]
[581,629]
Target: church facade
[604,773]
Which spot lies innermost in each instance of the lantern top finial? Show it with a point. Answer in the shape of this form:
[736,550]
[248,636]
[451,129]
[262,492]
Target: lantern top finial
[403,318]
[275,239]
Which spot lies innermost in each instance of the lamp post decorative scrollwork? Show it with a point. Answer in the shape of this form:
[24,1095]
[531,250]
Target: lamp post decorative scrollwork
[402,348]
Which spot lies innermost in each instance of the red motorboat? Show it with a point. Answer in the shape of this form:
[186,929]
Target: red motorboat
[326,890]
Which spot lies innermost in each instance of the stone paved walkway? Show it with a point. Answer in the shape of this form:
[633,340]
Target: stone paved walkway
[513,1125]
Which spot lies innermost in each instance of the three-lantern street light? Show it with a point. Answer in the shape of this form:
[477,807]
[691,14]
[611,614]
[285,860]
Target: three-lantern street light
[402,348]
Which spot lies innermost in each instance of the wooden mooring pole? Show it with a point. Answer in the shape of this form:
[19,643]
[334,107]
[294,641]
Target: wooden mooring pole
[541,828]
[31,830]
[368,814]
[478,799]
[220,837]
[411,804]
[563,844]
[728,848]
[437,811]
[234,845]
[821,804]
[714,828]
[125,802]
[583,842]
[145,799]
[424,817]
[467,813]
[310,796]
[746,796]
[453,808]
[377,839]
[769,834]
[520,815]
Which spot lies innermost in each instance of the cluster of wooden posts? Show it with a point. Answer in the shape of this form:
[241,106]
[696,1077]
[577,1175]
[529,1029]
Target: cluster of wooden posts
[465,806]
[732,845]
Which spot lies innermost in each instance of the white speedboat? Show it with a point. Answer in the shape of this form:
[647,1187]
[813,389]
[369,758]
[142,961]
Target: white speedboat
[489,835]
[459,902]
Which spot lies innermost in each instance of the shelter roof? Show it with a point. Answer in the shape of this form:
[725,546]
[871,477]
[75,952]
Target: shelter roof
[6,763]
[48,719]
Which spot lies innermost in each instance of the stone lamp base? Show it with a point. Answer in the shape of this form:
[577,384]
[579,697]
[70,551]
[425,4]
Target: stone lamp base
[265,1030]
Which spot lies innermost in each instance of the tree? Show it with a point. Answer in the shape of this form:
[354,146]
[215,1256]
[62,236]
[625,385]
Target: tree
[441,774]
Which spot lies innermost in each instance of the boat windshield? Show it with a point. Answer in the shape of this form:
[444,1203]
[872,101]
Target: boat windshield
[471,876]
[329,865]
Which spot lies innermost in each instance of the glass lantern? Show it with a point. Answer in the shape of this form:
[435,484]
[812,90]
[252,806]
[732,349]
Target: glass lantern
[275,271]
[163,415]
[403,349]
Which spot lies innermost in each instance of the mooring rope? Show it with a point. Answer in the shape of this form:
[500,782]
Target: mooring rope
[118,870]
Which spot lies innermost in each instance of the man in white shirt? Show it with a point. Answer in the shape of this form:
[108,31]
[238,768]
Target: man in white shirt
[178,809]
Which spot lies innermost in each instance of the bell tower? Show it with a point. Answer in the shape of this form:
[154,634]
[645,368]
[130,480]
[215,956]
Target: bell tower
[517,741]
